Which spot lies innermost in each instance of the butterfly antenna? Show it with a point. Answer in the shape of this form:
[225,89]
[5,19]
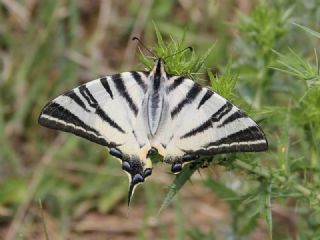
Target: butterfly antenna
[183,50]
[142,45]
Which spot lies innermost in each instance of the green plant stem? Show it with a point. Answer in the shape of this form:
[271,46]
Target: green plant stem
[260,171]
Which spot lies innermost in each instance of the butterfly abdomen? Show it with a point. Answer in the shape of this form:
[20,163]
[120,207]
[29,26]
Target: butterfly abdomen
[155,99]
[155,109]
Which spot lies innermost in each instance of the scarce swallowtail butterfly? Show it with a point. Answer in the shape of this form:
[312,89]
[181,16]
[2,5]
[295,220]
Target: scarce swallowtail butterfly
[137,113]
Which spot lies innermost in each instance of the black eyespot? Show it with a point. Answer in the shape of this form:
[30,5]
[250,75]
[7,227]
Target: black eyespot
[176,167]
[116,153]
[126,166]
[137,178]
[147,172]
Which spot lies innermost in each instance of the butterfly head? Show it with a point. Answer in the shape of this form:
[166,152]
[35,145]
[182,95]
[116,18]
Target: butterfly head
[159,61]
[158,68]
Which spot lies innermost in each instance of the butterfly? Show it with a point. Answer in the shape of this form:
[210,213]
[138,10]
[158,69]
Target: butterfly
[135,114]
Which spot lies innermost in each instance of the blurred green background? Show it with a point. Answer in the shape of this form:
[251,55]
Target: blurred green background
[57,186]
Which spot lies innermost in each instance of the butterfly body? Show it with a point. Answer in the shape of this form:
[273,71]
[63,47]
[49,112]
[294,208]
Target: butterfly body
[137,113]
[156,101]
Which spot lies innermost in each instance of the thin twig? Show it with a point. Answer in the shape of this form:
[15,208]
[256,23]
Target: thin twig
[136,32]
[86,63]
[33,185]
[19,11]
[43,221]
[102,26]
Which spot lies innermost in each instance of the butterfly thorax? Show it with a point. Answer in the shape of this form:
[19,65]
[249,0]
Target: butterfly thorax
[155,100]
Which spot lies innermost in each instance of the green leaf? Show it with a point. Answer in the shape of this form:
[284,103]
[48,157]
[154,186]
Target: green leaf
[161,43]
[13,190]
[308,30]
[249,224]
[177,184]
[178,61]
[108,200]
[268,214]
[224,84]
[297,66]
[223,191]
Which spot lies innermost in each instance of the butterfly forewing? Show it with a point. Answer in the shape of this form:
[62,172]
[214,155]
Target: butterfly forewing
[102,111]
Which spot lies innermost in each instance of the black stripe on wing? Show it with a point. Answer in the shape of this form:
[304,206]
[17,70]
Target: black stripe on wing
[248,147]
[224,110]
[190,97]
[234,116]
[216,117]
[85,92]
[88,96]
[105,84]
[249,134]
[77,99]
[118,82]
[251,139]
[137,77]
[176,82]
[206,97]
[62,119]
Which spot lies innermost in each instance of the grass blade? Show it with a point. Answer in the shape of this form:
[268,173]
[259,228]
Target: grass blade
[177,184]
[308,30]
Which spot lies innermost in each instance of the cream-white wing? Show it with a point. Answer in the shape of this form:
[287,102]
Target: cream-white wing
[102,110]
[107,111]
[201,122]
